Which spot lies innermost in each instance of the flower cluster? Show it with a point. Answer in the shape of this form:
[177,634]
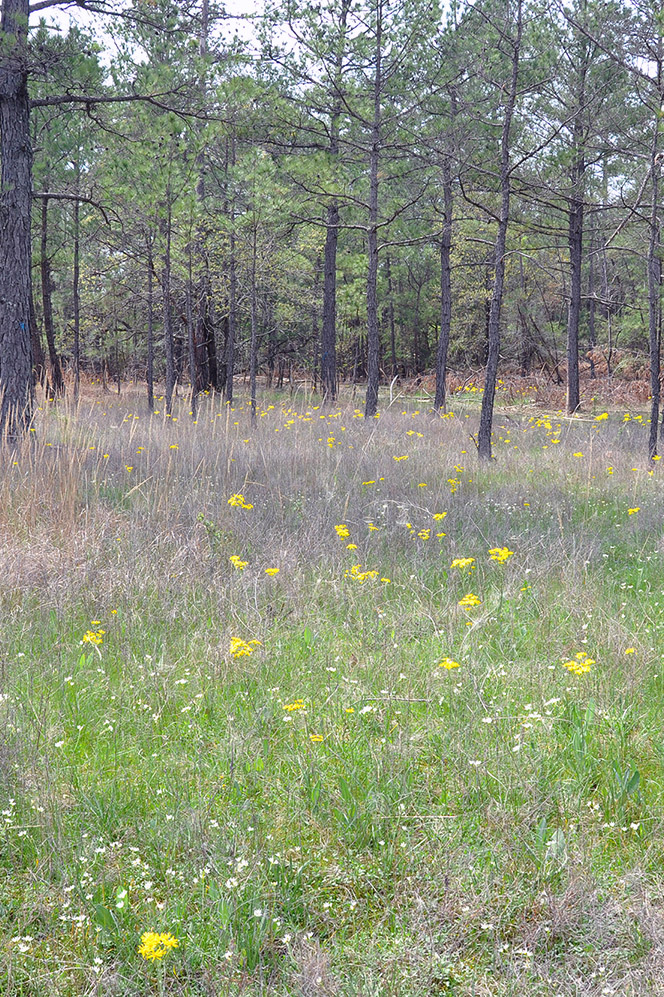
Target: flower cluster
[342,531]
[239,500]
[298,704]
[237,562]
[469,600]
[238,647]
[95,637]
[463,562]
[500,554]
[579,664]
[448,663]
[156,946]
[359,575]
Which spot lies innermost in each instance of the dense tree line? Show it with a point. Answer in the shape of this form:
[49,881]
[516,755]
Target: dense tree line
[362,189]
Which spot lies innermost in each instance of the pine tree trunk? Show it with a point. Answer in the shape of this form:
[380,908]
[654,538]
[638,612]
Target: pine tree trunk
[76,297]
[232,298]
[169,346]
[253,350]
[150,363]
[221,370]
[211,348]
[592,334]
[373,335]
[654,283]
[232,319]
[16,388]
[445,289]
[488,398]
[574,314]
[417,349]
[271,347]
[202,327]
[38,363]
[57,380]
[390,315]
[328,363]
[191,346]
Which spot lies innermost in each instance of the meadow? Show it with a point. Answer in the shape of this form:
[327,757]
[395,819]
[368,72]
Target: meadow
[327,708]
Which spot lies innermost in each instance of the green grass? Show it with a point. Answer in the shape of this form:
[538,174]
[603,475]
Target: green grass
[491,829]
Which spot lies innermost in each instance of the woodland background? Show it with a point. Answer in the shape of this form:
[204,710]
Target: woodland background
[278,164]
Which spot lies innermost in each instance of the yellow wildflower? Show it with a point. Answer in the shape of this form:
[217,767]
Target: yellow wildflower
[360,576]
[156,946]
[448,663]
[237,562]
[500,554]
[579,664]
[239,500]
[238,647]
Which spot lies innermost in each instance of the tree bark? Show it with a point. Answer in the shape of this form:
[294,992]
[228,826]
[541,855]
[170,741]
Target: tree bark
[232,297]
[373,336]
[169,346]
[488,398]
[445,288]
[654,306]
[328,364]
[654,266]
[150,361]
[575,243]
[38,364]
[76,295]
[390,315]
[253,350]
[191,344]
[328,361]
[16,387]
[202,329]
[57,380]
[592,334]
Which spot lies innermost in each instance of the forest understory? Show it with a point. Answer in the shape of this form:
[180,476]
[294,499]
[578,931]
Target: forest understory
[327,707]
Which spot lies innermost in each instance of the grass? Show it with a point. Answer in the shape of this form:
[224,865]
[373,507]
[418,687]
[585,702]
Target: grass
[333,813]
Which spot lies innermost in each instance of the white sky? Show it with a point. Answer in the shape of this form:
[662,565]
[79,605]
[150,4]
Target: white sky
[62,18]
